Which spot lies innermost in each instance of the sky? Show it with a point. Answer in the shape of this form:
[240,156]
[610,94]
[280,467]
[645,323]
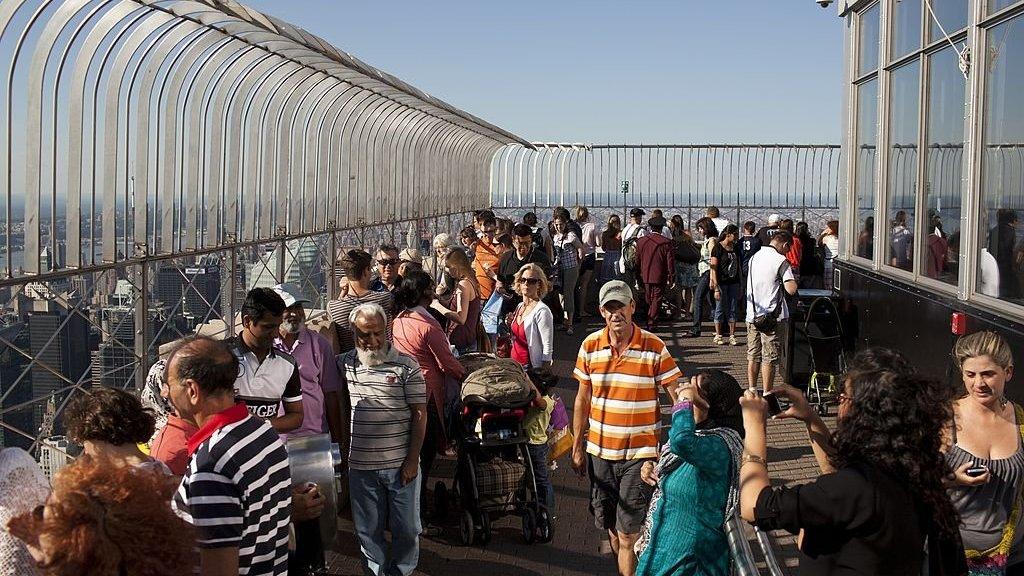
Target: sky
[603,71]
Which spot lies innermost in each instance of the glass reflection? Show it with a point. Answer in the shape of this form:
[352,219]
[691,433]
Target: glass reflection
[943,167]
[868,41]
[996,5]
[951,13]
[867,139]
[906,28]
[902,186]
[999,261]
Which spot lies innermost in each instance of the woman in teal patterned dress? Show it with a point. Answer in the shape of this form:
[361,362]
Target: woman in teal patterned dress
[696,482]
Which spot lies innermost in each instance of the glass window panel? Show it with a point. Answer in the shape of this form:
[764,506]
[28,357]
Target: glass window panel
[1002,165]
[906,28]
[952,14]
[867,42]
[997,5]
[867,139]
[944,156]
[904,109]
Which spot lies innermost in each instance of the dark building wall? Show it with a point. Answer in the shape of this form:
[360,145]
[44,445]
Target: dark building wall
[917,322]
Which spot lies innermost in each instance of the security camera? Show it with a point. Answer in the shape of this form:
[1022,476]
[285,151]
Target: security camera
[824,3]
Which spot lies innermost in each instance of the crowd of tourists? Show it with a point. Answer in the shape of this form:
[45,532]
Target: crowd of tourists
[916,476]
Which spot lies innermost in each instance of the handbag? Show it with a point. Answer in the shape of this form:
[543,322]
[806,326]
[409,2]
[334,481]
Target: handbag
[994,561]
[559,443]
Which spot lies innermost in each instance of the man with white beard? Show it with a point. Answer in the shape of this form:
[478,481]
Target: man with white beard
[387,399]
[318,372]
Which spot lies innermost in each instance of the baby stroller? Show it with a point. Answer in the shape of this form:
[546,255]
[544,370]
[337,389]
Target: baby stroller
[824,334]
[494,473]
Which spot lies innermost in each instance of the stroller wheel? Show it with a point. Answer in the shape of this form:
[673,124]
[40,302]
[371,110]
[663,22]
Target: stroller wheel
[529,526]
[483,536]
[441,500]
[545,529]
[466,530]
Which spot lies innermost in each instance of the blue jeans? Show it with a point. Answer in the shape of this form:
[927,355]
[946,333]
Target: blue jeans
[725,308]
[378,500]
[700,295]
[539,458]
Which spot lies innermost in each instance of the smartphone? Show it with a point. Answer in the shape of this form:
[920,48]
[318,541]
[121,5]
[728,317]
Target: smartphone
[975,471]
[774,407]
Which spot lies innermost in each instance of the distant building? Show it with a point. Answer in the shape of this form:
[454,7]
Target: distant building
[60,343]
[54,454]
[303,265]
[16,385]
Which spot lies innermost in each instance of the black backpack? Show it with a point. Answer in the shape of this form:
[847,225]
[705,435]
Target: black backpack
[538,238]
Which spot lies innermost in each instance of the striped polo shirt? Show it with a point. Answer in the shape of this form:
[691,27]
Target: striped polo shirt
[380,397]
[237,491]
[624,412]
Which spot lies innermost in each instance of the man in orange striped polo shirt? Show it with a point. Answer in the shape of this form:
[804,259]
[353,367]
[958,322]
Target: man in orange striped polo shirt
[620,369]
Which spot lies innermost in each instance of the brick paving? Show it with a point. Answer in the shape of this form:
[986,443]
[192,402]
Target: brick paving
[575,549]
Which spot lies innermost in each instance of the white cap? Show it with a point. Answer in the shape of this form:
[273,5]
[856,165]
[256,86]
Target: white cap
[774,219]
[291,294]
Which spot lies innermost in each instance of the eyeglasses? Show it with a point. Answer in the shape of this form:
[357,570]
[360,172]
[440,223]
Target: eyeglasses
[529,281]
[389,262]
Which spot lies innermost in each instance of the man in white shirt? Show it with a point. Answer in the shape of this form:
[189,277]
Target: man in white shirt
[634,229]
[768,274]
[716,217]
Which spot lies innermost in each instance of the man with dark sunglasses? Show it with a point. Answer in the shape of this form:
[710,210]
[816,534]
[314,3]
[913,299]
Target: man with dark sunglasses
[524,251]
[388,261]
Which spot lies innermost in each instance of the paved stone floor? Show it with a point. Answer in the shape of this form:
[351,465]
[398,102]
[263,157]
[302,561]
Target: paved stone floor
[575,549]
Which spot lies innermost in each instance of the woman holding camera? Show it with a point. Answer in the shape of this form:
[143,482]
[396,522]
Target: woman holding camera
[986,457]
[884,504]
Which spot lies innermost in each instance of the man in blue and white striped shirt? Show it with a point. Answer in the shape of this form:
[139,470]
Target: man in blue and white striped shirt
[237,489]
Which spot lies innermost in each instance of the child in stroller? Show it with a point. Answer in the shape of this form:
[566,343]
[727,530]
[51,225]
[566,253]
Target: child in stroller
[494,469]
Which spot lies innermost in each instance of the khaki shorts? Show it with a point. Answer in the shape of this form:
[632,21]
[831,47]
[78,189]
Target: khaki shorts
[763,347]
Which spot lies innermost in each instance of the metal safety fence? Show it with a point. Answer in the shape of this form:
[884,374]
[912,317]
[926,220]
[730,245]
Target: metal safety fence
[160,157]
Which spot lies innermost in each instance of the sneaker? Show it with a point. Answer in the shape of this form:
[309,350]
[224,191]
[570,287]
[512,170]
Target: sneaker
[733,341]
[718,339]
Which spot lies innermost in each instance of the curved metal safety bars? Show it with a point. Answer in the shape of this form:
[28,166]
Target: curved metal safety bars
[161,157]
[666,175]
[172,126]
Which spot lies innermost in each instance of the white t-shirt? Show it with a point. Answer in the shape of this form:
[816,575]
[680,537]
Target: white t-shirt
[988,283]
[591,238]
[720,223]
[763,288]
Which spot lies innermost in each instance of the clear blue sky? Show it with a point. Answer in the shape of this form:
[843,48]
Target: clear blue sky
[668,71]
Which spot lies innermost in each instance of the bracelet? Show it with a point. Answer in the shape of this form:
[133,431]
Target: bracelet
[747,457]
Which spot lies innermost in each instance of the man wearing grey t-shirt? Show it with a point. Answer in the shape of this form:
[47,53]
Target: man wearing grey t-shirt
[387,402]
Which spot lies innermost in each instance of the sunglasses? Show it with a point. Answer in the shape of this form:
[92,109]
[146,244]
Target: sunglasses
[389,262]
[529,281]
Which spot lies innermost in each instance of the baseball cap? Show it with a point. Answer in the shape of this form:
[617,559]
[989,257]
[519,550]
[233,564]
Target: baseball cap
[637,212]
[616,290]
[774,219]
[411,255]
[291,294]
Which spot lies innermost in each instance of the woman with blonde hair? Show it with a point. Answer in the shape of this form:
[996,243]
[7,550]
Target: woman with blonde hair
[532,322]
[463,309]
[986,456]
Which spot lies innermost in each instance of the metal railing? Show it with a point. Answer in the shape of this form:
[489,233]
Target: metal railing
[777,176]
[160,157]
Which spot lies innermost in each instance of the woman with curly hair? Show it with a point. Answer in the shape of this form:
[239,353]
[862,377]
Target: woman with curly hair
[107,520]
[881,500]
[987,436]
[112,423]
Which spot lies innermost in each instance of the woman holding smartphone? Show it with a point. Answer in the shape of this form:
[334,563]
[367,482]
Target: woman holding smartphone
[986,456]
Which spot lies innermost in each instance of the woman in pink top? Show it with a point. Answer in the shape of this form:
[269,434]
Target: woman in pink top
[417,334]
